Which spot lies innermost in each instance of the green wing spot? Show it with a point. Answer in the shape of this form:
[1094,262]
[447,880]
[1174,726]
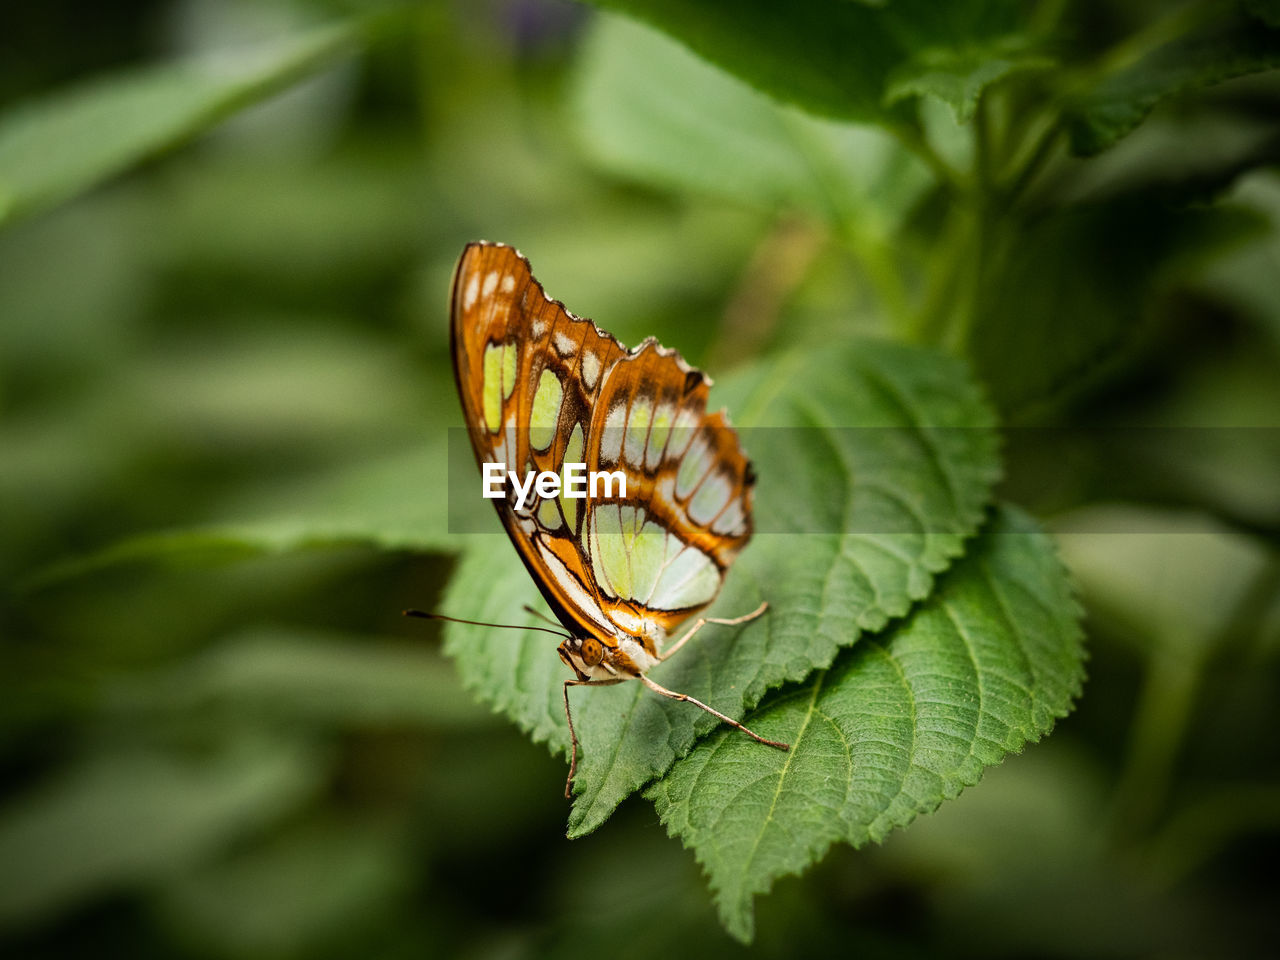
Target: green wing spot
[612,550]
[493,355]
[638,430]
[573,451]
[508,369]
[546,411]
[548,515]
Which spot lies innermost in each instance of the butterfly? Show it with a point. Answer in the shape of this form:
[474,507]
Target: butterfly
[540,388]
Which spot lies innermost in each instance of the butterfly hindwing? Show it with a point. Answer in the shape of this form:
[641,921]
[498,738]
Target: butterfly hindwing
[541,387]
[654,552]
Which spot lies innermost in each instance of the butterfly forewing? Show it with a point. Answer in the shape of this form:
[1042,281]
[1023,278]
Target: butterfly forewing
[541,387]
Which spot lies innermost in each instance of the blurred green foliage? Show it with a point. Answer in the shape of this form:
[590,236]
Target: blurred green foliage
[226,234]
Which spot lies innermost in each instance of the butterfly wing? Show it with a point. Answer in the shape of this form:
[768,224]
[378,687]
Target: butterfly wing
[541,387]
[661,554]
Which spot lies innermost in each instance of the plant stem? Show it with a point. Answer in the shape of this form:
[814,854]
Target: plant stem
[1038,155]
[913,140]
[1176,23]
[845,217]
[982,145]
[1160,722]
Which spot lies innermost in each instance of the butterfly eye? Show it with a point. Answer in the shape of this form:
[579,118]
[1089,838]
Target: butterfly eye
[592,653]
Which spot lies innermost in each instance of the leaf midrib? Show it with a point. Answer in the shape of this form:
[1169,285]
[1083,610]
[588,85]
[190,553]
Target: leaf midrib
[915,733]
[613,759]
[809,712]
[889,392]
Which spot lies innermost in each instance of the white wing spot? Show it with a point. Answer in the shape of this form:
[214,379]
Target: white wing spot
[729,522]
[472,291]
[689,579]
[658,435]
[564,343]
[693,466]
[638,431]
[611,442]
[490,283]
[712,497]
[684,430]
[590,369]
[508,283]
[539,328]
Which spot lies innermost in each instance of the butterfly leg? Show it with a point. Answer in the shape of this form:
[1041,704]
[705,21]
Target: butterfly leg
[703,621]
[685,698]
[573,735]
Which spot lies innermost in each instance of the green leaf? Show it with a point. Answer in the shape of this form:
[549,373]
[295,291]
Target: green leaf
[387,503]
[126,818]
[1205,54]
[1068,293]
[853,524]
[898,723]
[56,147]
[958,76]
[834,59]
[322,679]
[651,110]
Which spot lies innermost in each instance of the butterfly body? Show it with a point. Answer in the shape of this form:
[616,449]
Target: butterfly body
[595,660]
[542,388]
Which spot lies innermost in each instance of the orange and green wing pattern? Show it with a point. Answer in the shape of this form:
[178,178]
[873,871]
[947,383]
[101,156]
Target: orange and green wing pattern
[541,388]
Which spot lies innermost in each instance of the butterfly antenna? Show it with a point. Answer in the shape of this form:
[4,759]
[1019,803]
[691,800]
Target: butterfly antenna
[422,614]
[541,616]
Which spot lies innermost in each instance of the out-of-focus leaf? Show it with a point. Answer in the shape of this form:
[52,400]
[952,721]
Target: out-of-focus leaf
[1043,808]
[1180,589]
[395,503]
[1193,157]
[985,854]
[324,883]
[638,274]
[295,396]
[833,59]
[958,75]
[874,512]
[1069,292]
[314,677]
[300,381]
[54,148]
[897,724]
[52,325]
[313,231]
[651,110]
[1205,54]
[1249,277]
[120,819]
[1174,579]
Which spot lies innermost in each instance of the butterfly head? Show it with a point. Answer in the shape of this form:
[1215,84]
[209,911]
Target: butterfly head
[585,656]
[613,659]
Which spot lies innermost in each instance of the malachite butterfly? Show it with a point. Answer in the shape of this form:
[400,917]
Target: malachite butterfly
[540,388]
